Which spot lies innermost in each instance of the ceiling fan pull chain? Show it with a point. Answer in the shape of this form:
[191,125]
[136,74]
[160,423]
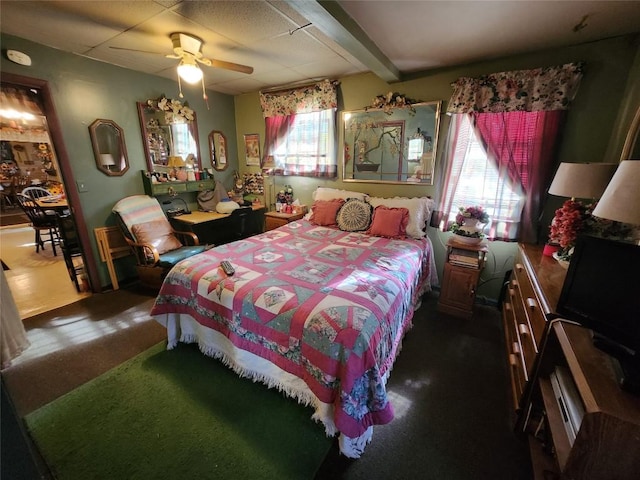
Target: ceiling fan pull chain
[204,94]
[180,87]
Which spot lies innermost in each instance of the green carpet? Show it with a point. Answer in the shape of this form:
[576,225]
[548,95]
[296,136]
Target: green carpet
[177,414]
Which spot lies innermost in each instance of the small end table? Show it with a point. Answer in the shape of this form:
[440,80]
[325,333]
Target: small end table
[463,264]
[278,219]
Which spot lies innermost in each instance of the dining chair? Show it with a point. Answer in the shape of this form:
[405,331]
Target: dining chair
[71,250]
[45,226]
[36,192]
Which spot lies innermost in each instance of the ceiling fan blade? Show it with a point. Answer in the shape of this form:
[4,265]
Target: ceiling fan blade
[236,67]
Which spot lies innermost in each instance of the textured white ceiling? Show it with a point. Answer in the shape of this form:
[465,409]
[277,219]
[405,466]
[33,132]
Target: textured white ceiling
[387,37]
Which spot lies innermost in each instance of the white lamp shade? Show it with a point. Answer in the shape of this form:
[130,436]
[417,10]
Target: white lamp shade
[582,180]
[621,199]
[106,159]
[189,72]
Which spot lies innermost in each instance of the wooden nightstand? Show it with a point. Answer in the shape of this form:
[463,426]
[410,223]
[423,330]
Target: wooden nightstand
[277,219]
[462,268]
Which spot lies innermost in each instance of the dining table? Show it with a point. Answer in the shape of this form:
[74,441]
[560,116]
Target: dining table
[53,202]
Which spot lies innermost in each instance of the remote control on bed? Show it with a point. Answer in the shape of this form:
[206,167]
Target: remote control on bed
[227,267]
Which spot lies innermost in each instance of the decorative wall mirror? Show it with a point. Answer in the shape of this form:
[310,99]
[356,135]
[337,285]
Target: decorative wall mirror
[167,134]
[109,148]
[218,150]
[393,145]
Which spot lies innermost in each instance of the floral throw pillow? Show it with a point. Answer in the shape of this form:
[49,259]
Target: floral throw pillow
[354,216]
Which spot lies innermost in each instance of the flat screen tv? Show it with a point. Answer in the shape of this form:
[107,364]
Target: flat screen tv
[602,292]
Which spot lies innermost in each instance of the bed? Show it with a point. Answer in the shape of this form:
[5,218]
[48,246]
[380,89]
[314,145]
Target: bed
[313,310]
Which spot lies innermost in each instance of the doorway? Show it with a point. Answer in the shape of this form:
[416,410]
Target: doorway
[38,281]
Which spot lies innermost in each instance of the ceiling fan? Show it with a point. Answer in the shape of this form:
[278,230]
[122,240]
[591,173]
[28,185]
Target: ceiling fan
[188,49]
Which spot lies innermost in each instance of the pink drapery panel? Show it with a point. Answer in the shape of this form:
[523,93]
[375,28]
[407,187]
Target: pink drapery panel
[522,145]
[276,129]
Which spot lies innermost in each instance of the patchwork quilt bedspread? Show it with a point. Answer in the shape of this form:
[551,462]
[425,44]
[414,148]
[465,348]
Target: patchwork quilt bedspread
[327,306]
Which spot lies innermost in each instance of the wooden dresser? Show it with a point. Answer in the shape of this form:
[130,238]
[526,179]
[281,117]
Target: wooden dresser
[530,302]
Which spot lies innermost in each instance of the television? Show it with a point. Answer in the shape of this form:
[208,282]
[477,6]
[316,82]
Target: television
[602,292]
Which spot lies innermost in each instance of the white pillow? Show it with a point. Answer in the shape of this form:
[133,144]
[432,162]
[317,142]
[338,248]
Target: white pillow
[227,207]
[325,193]
[419,211]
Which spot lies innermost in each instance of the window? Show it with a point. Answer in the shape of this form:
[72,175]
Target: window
[480,183]
[308,147]
[498,160]
[300,127]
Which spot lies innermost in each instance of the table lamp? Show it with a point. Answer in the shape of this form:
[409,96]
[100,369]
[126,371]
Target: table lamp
[107,161]
[620,201]
[176,163]
[582,180]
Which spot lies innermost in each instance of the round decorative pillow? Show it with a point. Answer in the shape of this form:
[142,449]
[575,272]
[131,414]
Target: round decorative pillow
[354,215]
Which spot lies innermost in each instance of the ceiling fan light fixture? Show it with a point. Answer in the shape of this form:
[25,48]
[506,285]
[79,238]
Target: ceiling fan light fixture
[189,71]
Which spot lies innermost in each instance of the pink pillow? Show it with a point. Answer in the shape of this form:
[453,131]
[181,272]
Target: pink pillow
[158,233]
[324,212]
[389,222]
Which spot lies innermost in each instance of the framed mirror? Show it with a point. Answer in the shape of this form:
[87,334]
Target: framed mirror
[218,150]
[109,148]
[393,145]
[166,133]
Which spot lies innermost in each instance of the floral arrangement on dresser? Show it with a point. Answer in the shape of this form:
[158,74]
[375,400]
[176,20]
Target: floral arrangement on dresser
[575,218]
[175,111]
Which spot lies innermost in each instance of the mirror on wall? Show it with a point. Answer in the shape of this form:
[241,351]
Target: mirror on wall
[395,145]
[109,148]
[165,134]
[218,150]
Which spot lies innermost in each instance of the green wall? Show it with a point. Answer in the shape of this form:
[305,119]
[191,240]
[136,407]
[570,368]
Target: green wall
[84,90]
[608,65]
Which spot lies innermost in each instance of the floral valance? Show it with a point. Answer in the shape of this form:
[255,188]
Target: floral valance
[550,88]
[310,98]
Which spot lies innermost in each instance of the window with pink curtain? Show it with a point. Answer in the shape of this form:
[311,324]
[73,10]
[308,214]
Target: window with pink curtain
[300,126]
[504,133]
[501,161]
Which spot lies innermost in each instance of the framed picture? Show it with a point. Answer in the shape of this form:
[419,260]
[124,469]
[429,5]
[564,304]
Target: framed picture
[252,149]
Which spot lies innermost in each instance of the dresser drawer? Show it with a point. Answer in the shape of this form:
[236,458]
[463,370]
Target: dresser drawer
[531,306]
[522,330]
[514,355]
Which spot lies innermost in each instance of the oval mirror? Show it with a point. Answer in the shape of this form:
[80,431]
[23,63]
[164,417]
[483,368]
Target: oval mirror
[165,134]
[218,150]
[109,148]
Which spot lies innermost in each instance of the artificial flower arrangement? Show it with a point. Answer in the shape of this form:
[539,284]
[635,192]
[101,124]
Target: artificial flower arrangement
[174,109]
[575,218]
[476,212]
[392,100]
